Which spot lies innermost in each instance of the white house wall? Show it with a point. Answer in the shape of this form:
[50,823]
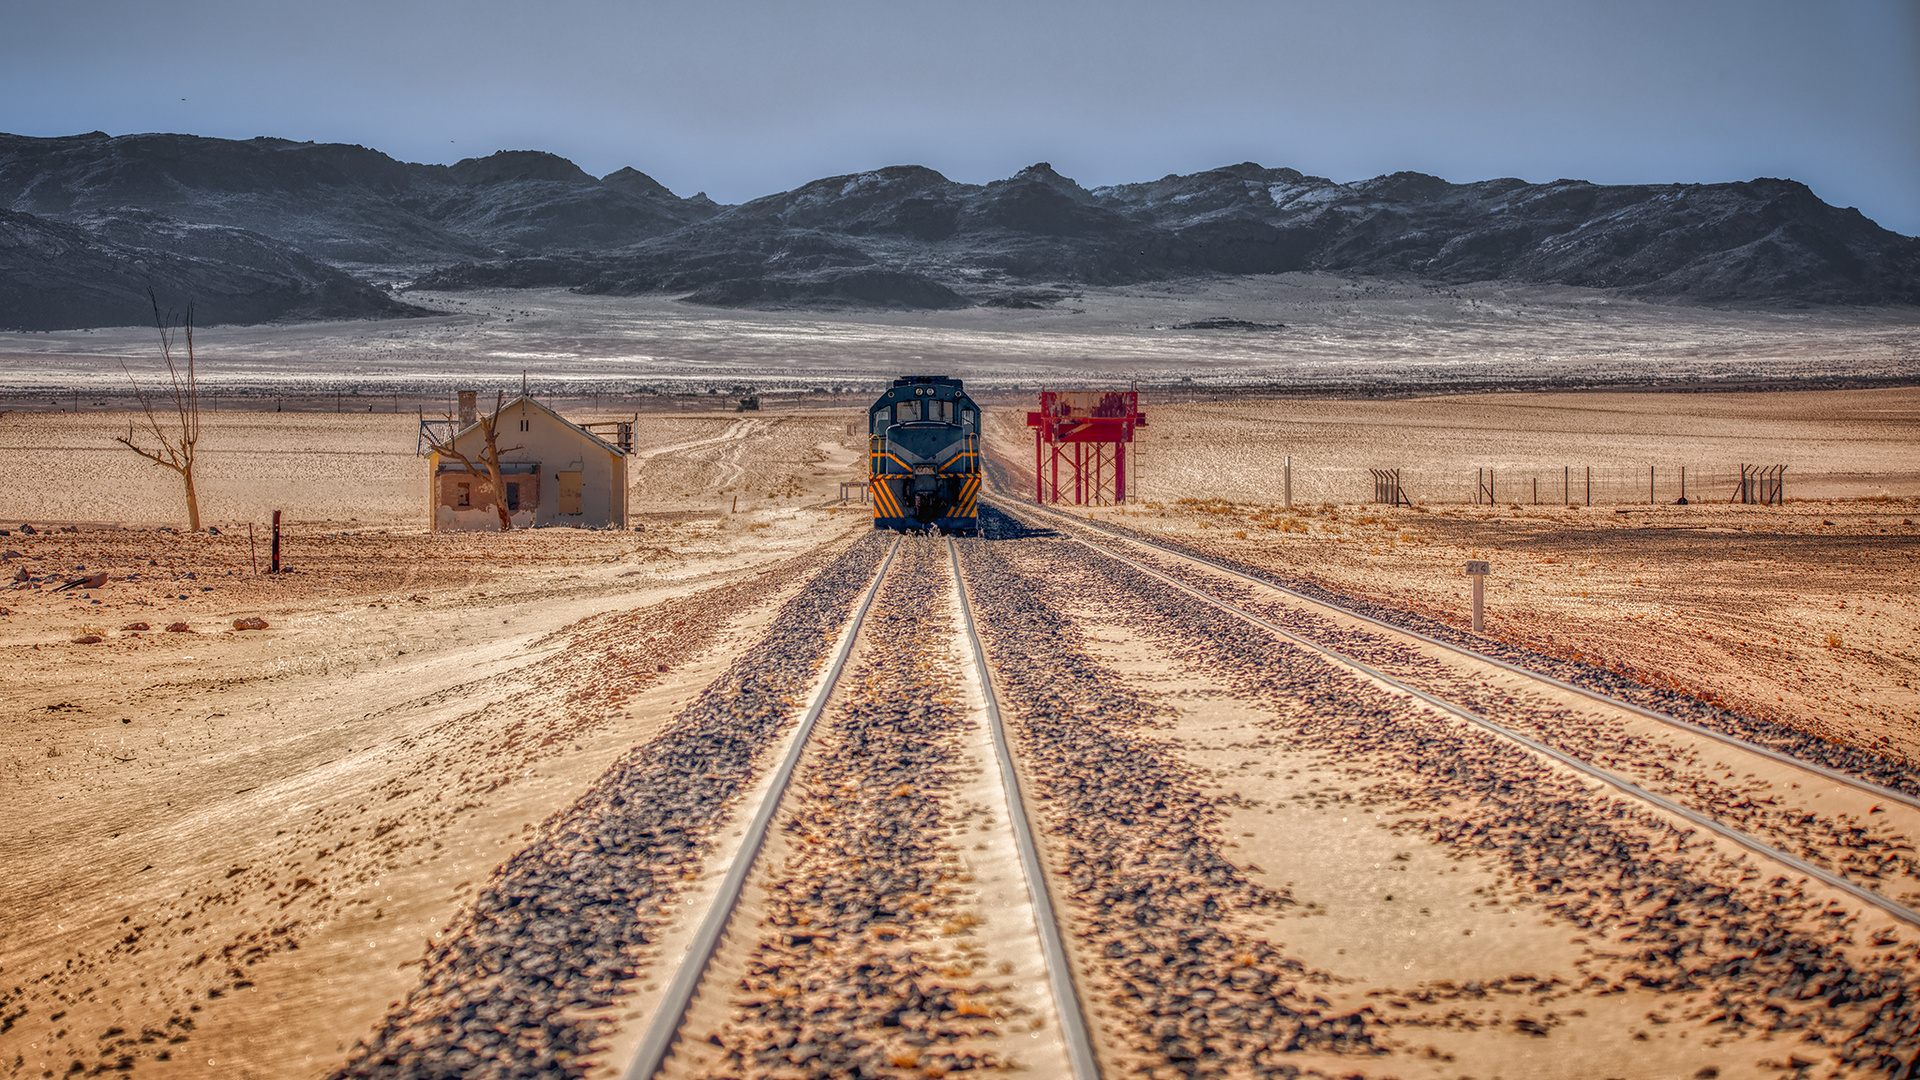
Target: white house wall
[557,447]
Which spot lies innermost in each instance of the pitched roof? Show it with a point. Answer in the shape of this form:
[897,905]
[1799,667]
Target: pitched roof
[528,398]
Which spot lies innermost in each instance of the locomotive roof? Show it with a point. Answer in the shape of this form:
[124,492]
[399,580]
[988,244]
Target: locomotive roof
[922,380]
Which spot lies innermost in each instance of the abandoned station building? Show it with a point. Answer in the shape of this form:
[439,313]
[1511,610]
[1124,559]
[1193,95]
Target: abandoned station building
[555,472]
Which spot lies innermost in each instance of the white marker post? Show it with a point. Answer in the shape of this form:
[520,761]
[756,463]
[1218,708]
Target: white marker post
[1478,571]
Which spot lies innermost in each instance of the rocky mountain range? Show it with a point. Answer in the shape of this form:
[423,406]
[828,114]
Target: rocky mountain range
[96,270]
[271,227]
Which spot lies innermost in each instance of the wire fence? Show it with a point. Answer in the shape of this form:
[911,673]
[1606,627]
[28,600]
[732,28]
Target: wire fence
[1587,485]
[1564,485]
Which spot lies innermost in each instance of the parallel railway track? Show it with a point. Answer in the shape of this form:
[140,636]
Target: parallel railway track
[1540,743]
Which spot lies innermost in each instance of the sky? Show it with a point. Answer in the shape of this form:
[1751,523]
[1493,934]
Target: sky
[741,99]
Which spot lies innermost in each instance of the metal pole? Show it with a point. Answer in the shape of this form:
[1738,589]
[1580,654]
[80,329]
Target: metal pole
[1479,601]
[1286,472]
[1566,485]
[1589,485]
[1649,485]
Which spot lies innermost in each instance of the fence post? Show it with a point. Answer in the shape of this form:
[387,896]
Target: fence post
[1566,485]
[1649,485]
[1589,486]
[1286,473]
[274,564]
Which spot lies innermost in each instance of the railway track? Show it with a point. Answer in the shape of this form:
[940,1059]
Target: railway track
[1848,833]
[846,934]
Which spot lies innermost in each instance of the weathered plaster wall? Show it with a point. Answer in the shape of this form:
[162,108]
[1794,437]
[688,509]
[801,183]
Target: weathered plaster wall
[529,434]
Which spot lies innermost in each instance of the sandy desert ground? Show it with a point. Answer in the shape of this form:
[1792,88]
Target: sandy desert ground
[232,848]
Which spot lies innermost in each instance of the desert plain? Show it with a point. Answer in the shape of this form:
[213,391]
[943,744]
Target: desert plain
[226,851]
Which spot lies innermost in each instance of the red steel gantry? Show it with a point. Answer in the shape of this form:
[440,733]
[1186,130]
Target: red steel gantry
[1098,425]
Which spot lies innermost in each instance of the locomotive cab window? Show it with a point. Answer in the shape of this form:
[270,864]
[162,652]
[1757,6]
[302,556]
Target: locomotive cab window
[906,412]
[966,416]
[943,411]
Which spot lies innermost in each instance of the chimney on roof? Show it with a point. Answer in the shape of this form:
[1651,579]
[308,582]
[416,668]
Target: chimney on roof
[469,408]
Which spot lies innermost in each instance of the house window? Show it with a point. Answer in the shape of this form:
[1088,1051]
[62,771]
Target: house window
[513,494]
[463,495]
[523,424]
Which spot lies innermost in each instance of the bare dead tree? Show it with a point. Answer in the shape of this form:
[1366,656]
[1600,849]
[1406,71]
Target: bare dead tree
[488,467]
[179,436]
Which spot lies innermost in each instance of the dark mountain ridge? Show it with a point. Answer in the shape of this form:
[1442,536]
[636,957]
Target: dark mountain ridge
[908,236]
[345,204]
[1756,242]
[97,270]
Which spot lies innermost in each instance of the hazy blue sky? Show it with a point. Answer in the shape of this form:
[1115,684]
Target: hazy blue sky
[742,99]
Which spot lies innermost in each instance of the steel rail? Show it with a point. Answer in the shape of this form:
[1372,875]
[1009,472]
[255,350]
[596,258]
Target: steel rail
[664,1028]
[1066,1000]
[1751,843]
[1838,777]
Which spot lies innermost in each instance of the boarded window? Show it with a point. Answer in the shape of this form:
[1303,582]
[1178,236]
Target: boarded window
[463,495]
[570,492]
[513,495]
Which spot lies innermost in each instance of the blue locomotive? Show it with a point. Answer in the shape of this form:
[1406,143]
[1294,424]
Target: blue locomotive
[923,456]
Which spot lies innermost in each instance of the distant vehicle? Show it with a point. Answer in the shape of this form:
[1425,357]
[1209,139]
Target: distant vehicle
[923,456]
[749,403]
